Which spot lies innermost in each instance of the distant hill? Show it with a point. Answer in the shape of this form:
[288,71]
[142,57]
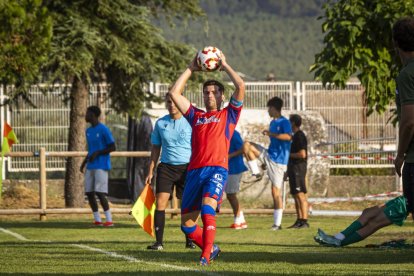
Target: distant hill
[259,36]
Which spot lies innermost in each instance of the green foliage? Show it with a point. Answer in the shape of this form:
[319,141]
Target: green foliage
[358,40]
[25,35]
[258,36]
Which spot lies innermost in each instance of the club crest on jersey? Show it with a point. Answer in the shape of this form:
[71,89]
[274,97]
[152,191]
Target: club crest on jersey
[205,121]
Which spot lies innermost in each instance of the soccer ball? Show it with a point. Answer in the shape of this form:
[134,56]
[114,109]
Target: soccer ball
[209,58]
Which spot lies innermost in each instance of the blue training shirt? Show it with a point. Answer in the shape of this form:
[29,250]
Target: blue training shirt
[236,164]
[279,150]
[99,137]
[174,137]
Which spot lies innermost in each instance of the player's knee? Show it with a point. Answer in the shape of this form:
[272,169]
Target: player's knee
[188,229]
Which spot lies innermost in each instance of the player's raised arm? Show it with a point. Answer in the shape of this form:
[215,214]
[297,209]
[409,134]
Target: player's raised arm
[238,82]
[176,92]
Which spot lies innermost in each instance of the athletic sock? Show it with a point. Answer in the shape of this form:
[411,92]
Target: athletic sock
[239,219]
[353,238]
[97,216]
[159,224]
[339,236]
[208,215]
[253,166]
[108,215]
[277,216]
[355,226]
[194,233]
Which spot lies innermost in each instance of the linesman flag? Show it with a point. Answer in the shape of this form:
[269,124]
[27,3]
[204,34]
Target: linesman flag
[9,138]
[144,209]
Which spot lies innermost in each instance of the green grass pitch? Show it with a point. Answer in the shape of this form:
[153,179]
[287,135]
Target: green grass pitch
[72,246]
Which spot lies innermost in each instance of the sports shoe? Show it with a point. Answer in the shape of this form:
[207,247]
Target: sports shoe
[296,224]
[328,240]
[203,261]
[190,245]
[108,224]
[156,246]
[98,223]
[276,227]
[239,226]
[303,224]
[215,253]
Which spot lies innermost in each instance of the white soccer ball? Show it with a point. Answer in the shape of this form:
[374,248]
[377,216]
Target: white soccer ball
[209,58]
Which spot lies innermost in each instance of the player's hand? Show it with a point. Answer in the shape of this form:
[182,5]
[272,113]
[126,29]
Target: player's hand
[148,179]
[398,163]
[193,66]
[266,132]
[223,62]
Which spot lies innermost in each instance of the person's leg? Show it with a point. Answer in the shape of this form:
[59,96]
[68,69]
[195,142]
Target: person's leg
[277,206]
[408,186]
[234,202]
[276,175]
[303,206]
[101,189]
[208,216]
[90,193]
[105,206]
[251,152]
[159,217]
[191,229]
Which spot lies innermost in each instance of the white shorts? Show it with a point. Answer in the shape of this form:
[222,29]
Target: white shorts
[96,181]
[275,171]
[233,183]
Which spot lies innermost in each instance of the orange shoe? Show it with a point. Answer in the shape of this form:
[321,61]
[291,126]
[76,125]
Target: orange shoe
[98,223]
[108,224]
[239,226]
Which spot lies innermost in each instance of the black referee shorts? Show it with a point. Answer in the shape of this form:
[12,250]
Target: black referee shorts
[297,174]
[169,176]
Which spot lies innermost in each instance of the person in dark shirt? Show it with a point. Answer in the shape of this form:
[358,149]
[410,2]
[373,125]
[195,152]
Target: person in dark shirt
[297,172]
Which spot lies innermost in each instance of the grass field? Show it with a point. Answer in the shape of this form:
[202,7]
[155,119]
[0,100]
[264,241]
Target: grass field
[71,246]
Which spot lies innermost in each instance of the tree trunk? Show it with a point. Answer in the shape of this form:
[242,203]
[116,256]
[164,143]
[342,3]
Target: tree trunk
[74,191]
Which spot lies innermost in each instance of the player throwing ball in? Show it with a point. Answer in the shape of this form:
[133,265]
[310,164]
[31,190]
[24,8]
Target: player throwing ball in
[208,167]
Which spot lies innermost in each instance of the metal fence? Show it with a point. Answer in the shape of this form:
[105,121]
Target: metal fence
[350,132]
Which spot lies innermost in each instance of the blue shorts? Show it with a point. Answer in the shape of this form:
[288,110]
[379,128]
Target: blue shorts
[203,182]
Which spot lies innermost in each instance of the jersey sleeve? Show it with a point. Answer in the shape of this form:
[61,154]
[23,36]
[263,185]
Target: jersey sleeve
[234,109]
[191,114]
[155,135]
[107,134]
[406,88]
[302,141]
[286,127]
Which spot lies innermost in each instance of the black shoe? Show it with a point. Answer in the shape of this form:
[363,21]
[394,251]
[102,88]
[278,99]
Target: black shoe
[296,224]
[303,224]
[190,245]
[276,227]
[156,246]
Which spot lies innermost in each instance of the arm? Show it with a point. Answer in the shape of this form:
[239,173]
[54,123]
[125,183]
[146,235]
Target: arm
[281,136]
[155,154]
[238,82]
[235,153]
[299,155]
[182,103]
[406,135]
[110,148]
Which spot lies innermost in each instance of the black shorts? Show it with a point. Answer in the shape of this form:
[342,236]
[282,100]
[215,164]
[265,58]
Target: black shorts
[297,174]
[169,176]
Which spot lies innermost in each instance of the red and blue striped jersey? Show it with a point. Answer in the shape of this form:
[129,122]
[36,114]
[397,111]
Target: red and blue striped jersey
[212,132]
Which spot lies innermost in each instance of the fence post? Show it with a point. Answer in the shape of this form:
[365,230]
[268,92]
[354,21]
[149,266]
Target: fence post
[42,183]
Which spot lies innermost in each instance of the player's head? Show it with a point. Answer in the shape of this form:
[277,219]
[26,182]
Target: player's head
[213,94]
[92,114]
[403,34]
[171,107]
[274,106]
[295,120]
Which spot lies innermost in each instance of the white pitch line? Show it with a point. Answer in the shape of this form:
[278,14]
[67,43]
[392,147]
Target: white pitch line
[113,254]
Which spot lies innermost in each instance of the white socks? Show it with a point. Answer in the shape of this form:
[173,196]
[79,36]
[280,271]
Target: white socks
[97,216]
[108,215]
[277,216]
[253,166]
[239,219]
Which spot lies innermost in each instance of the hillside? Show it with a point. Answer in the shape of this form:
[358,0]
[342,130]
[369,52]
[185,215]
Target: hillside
[259,36]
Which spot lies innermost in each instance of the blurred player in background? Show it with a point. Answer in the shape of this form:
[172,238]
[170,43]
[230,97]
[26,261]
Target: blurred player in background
[208,168]
[98,163]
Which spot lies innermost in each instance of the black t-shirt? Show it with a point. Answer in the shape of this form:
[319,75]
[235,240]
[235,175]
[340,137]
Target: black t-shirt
[299,142]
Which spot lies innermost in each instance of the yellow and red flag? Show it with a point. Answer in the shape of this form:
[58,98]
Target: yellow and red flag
[9,138]
[144,209]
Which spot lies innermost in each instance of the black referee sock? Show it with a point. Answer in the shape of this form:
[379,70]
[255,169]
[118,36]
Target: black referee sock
[159,223]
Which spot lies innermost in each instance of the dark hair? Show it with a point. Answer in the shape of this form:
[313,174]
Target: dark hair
[95,110]
[296,120]
[403,34]
[214,82]
[275,102]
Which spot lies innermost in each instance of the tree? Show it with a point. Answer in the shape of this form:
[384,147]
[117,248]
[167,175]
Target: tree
[113,41]
[358,40]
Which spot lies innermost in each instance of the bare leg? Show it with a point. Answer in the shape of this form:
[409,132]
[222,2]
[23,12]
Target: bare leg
[234,202]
